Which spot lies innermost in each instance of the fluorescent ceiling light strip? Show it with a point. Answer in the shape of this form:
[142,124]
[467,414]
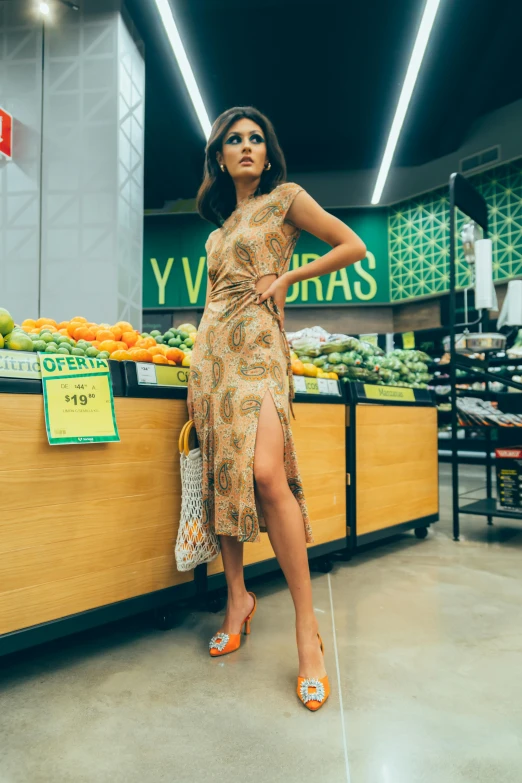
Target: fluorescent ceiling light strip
[421,43]
[165,12]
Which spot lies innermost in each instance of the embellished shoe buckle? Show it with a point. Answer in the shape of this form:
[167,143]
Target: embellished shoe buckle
[306,696]
[219,642]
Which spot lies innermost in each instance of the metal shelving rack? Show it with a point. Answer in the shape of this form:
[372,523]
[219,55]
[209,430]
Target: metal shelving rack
[462,195]
[471,451]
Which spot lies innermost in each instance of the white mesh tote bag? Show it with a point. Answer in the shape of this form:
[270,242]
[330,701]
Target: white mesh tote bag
[196,543]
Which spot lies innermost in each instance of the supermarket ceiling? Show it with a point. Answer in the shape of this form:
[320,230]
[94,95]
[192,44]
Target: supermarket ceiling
[328,73]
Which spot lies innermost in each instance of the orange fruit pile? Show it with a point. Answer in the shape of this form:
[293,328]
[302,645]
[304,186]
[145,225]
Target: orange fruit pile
[121,340]
[118,339]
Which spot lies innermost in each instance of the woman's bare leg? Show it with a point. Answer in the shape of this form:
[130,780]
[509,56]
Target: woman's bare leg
[239,603]
[284,522]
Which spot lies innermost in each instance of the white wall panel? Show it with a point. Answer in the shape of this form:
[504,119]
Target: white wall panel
[21,95]
[92,228]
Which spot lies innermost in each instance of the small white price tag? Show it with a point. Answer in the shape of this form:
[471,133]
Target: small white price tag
[146,373]
[333,387]
[323,385]
[299,383]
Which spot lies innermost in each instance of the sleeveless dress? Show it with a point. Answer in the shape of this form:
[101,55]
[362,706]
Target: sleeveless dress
[241,355]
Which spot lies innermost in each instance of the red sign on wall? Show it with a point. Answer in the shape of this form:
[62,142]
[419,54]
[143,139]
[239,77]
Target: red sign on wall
[6,134]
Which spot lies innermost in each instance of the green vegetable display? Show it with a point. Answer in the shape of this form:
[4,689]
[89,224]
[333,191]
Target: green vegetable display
[334,358]
[356,360]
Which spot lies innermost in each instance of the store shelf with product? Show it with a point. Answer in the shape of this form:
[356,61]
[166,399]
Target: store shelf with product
[479,357]
[503,367]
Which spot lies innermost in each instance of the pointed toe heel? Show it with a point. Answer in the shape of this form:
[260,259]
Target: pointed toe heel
[224,643]
[312,691]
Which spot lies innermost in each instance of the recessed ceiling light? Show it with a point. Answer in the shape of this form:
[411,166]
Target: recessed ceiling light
[419,49]
[167,17]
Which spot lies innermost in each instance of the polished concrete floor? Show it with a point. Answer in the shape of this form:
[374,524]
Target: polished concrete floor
[423,647]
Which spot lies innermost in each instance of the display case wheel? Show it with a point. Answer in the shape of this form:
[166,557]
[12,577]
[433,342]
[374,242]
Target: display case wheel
[344,555]
[324,565]
[421,532]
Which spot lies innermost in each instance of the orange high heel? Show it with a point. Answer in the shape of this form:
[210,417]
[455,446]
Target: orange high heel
[311,691]
[223,643]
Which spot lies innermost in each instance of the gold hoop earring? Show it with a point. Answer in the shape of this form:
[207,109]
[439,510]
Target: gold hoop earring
[267,168]
[222,167]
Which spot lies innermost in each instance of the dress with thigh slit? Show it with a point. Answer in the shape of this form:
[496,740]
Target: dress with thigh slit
[241,354]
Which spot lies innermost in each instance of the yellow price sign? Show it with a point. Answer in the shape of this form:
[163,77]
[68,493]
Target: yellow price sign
[408,340]
[312,385]
[391,393]
[78,400]
[372,339]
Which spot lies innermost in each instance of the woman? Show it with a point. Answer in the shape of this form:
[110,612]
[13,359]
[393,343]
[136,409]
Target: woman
[241,380]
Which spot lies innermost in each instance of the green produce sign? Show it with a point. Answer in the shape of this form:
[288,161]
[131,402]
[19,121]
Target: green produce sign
[175,275]
[19,364]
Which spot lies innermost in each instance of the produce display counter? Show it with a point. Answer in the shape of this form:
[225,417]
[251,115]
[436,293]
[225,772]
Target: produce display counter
[392,462]
[87,532]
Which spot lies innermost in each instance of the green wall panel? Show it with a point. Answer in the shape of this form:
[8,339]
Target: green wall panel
[175,275]
[418,235]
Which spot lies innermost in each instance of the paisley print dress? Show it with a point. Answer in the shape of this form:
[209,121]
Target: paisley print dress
[241,355]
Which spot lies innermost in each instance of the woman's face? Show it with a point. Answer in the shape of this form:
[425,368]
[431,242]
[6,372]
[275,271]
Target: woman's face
[244,150]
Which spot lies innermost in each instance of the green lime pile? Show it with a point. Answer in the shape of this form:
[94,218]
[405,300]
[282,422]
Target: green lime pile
[50,341]
[183,337]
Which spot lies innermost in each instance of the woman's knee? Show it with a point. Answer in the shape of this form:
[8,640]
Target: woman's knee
[268,482]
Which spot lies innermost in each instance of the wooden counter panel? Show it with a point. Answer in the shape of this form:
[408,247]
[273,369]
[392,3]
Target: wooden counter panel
[111,548]
[380,445]
[319,435]
[396,464]
[84,526]
[377,516]
[28,449]
[25,412]
[55,486]
[42,603]
[23,528]
[150,414]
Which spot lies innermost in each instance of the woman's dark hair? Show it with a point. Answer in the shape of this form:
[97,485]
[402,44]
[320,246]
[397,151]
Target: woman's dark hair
[216,198]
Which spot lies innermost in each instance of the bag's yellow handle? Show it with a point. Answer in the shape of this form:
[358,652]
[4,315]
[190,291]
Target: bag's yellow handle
[184,437]
[181,442]
[187,432]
